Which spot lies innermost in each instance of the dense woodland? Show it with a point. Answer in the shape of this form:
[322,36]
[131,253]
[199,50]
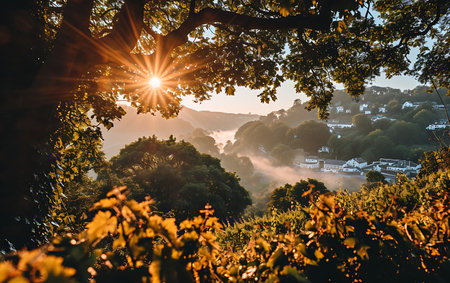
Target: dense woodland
[161,211]
[397,133]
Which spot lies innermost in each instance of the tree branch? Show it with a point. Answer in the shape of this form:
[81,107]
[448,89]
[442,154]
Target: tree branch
[192,8]
[62,61]
[151,32]
[127,28]
[404,40]
[262,12]
[442,101]
[179,36]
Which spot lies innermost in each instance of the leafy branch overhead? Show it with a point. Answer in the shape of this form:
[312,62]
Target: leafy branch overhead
[203,46]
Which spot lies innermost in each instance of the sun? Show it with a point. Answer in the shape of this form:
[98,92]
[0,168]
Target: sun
[154,82]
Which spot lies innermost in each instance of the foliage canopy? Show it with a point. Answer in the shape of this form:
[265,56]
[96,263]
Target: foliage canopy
[60,61]
[178,177]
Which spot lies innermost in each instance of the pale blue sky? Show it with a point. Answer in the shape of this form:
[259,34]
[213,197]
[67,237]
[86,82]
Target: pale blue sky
[246,100]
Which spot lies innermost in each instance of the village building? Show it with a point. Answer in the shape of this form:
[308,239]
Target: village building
[339,109]
[358,166]
[324,149]
[437,126]
[407,104]
[339,126]
[332,165]
[357,162]
[349,169]
[438,107]
[403,166]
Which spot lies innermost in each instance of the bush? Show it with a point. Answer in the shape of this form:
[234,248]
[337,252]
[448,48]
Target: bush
[397,233]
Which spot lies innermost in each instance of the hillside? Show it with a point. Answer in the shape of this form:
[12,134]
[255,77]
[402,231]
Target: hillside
[133,125]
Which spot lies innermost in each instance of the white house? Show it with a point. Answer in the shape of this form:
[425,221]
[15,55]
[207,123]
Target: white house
[339,126]
[403,166]
[407,104]
[312,165]
[388,161]
[382,109]
[349,169]
[367,112]
[363,107]
[312,159]
[356,162]
[348,111]
[339,109]
[433,127]
[438,107]
[331,165]
[324,149]
[310,162]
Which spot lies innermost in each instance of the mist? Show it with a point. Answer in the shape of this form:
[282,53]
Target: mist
[222,137]
[281,175]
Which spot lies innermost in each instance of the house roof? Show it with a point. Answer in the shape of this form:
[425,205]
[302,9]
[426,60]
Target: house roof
[389,160]
[403,164]
[359,160]
[388,172]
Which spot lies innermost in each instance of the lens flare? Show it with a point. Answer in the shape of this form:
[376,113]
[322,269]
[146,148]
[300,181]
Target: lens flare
[154,82]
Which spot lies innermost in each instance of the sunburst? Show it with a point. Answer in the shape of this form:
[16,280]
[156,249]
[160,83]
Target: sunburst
[155,82]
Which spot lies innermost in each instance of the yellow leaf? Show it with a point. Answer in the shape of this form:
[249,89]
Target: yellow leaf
[341,26]
[318,254]
[328,200]
[102,224]
[19,279]
[53,265]
[5,269]
[362,252]
[284,11]
[350,242]
[105,203]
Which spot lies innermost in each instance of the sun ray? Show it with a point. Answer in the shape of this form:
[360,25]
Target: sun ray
[154,82]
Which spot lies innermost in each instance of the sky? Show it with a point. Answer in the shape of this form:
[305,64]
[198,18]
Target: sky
[246,100]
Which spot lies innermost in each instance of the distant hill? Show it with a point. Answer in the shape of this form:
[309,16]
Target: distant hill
[133,126]
[374,97]
[213,121]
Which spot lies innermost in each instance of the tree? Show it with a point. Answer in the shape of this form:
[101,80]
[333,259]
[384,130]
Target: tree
[382,124]
[381,146]
[242,165]
[309,135]
[362,123]
[65,59]
[283,154]
[407,133]
[203,142]
[373,178]
[288,196]
[178,178]
[425,117]
[255,134]
[393,107]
